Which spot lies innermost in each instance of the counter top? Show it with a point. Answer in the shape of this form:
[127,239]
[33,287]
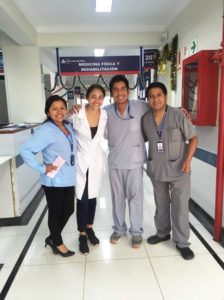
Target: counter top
[17,128]
[12,138]
[3,159]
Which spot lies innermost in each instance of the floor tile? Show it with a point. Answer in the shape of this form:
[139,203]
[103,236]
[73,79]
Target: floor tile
[108,251]
[4,274]
[112,271]
[11,247]
[43,229]
[123,279]
[198,279]
[16,230]
[103,219]
[209,239]
[39,255]
[168,248]
[221,255]
[56,282]
[24,229]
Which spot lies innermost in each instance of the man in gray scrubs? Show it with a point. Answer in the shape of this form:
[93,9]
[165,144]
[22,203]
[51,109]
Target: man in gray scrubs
[126,157]
[168,166]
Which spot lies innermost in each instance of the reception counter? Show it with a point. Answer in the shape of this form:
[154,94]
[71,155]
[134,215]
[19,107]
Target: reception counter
[19,184]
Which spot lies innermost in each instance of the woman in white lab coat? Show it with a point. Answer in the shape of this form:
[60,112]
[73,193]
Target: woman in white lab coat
[89,125]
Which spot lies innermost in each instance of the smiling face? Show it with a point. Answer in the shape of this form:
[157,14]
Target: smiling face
[57,112]
[157,99]
[120,92]
[95,99]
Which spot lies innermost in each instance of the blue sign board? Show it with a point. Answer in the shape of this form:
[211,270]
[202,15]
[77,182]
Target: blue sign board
[149,58]
[103,65]
[1,63]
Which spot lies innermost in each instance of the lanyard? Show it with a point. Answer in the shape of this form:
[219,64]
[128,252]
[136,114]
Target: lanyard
[130,116]
[160,129]
[72,159]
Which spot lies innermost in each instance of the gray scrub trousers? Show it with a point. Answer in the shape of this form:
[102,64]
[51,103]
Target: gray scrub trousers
[171,186]
[126,157]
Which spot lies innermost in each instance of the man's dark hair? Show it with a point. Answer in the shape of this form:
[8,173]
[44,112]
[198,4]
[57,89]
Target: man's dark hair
[94,86]
[156,85]
[118,78]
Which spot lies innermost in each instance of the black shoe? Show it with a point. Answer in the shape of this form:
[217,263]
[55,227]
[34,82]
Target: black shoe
[92,237]
[66,254]
[155,239]
[186,252]
[48,242]
[83,246]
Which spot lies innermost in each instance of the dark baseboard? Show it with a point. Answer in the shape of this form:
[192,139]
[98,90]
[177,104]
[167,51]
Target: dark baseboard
[28,213]
[204,218]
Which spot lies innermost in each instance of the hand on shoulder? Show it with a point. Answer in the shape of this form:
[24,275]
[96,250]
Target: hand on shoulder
[187,115]
[75,109]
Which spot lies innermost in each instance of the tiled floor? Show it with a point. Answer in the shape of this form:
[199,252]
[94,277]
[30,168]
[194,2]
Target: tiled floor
[109,271]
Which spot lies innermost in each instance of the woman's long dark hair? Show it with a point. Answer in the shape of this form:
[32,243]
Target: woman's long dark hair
[49,102]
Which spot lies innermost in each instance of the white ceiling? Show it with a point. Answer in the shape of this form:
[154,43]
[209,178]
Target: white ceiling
[80,16]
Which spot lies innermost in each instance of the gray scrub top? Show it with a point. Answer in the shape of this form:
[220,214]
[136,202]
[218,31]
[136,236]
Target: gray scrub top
[166,165]
[125,140]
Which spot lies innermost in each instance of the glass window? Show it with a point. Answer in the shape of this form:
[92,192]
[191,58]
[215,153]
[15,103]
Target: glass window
[191,88]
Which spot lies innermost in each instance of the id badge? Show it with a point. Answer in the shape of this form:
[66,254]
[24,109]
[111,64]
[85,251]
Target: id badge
[72,160]
[160,146]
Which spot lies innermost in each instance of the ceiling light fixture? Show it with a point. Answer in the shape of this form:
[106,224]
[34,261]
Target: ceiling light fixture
[103,5]
[99,52]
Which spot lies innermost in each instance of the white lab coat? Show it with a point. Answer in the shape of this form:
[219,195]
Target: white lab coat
[90,154]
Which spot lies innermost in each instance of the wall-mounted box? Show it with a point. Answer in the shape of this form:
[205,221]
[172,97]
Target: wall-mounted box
[200,87]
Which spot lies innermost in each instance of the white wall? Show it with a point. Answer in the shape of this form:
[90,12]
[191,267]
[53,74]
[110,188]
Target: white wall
[48,62]
[201,19]
[24,88]
[165,78]
[99,39]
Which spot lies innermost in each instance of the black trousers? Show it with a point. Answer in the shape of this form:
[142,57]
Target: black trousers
[85,210]
[60,201]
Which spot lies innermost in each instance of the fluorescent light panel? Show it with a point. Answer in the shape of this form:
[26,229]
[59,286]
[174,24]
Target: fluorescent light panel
[99,52]
[103,5]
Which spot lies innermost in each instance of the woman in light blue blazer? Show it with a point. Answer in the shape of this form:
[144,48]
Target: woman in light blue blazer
[55,138]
